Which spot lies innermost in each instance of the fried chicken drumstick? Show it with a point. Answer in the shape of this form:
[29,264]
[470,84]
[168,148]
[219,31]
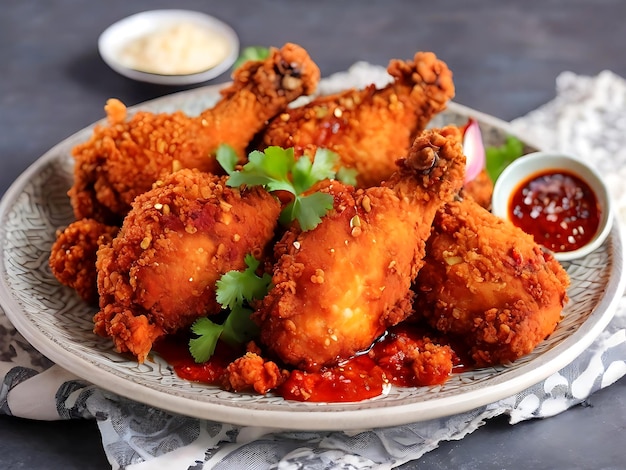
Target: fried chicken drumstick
[369,129]
[73,256]
[339,286]
[488,285]
[158,274]
[122,160]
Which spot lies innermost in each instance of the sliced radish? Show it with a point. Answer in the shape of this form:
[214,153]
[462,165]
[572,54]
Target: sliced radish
[474,150]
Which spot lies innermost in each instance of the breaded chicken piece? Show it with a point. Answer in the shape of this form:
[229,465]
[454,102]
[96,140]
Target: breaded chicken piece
[158,274]
[122,160]
[480,189]
[420,359]
[252,372]
[487,284]
[339,286]
[369,129]
[73,256]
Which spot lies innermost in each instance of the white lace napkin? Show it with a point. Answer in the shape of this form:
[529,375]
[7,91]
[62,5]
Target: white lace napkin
[587,118]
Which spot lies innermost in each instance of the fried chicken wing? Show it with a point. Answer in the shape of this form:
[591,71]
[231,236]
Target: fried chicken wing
[73,256]
[339,286]
[488,285]
[122,160]
[158,274]
[369,129]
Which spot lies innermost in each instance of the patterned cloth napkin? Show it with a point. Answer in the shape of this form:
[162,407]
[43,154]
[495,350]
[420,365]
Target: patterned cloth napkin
[587,118]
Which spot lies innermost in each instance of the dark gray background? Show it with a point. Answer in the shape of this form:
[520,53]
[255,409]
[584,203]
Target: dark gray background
[505,56]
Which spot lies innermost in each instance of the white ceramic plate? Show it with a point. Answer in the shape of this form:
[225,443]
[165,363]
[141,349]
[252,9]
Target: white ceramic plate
[55,321]
[113,40]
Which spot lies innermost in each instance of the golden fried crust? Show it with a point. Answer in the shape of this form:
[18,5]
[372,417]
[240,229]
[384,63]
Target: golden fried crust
[122,159]
[339,286]
[252,372]
[158,275]
[369,129]
[288,73]
[480,189]
[488,283]
[73,256]
[431,363]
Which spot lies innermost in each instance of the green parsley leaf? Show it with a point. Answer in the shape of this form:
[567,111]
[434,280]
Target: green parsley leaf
[252,53]
[236,287]
[227,157]
[277,169]
[203,347]
[306,173]
[238,327]
[269,168]
[498,158]
[308,210]
[234,290]
[347,175]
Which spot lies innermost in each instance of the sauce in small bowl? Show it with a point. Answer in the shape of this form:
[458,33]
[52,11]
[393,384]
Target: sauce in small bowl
[558,199]
[169,47]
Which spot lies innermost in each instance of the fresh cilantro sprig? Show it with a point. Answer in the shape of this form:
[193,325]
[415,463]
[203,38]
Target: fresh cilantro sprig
[251,53]
[235,288]
[235,291]
[347,175]
[277,169]
[208,333]
[498,158]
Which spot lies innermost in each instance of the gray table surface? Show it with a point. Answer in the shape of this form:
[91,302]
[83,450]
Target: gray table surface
[505,56]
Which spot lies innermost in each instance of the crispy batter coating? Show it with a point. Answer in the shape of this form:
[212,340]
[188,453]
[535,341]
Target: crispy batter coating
[427,361]
[339,286]
[369,129]
[123,159]
[73,256]
[253,372]
[488,284]
[158,275]
[480,189]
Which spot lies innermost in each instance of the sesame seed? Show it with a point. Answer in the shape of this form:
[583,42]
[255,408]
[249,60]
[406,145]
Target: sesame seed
[355,221]
[145,243]
[366,203]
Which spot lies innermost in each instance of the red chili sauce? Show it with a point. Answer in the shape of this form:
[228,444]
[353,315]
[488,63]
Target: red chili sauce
[558,208]
[402,358]
[175,350]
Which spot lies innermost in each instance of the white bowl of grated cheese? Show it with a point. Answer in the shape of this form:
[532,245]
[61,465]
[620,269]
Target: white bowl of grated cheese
[169,47]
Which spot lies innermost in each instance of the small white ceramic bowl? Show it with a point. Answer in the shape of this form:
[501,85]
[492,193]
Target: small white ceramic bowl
[535,163]
[116,37]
